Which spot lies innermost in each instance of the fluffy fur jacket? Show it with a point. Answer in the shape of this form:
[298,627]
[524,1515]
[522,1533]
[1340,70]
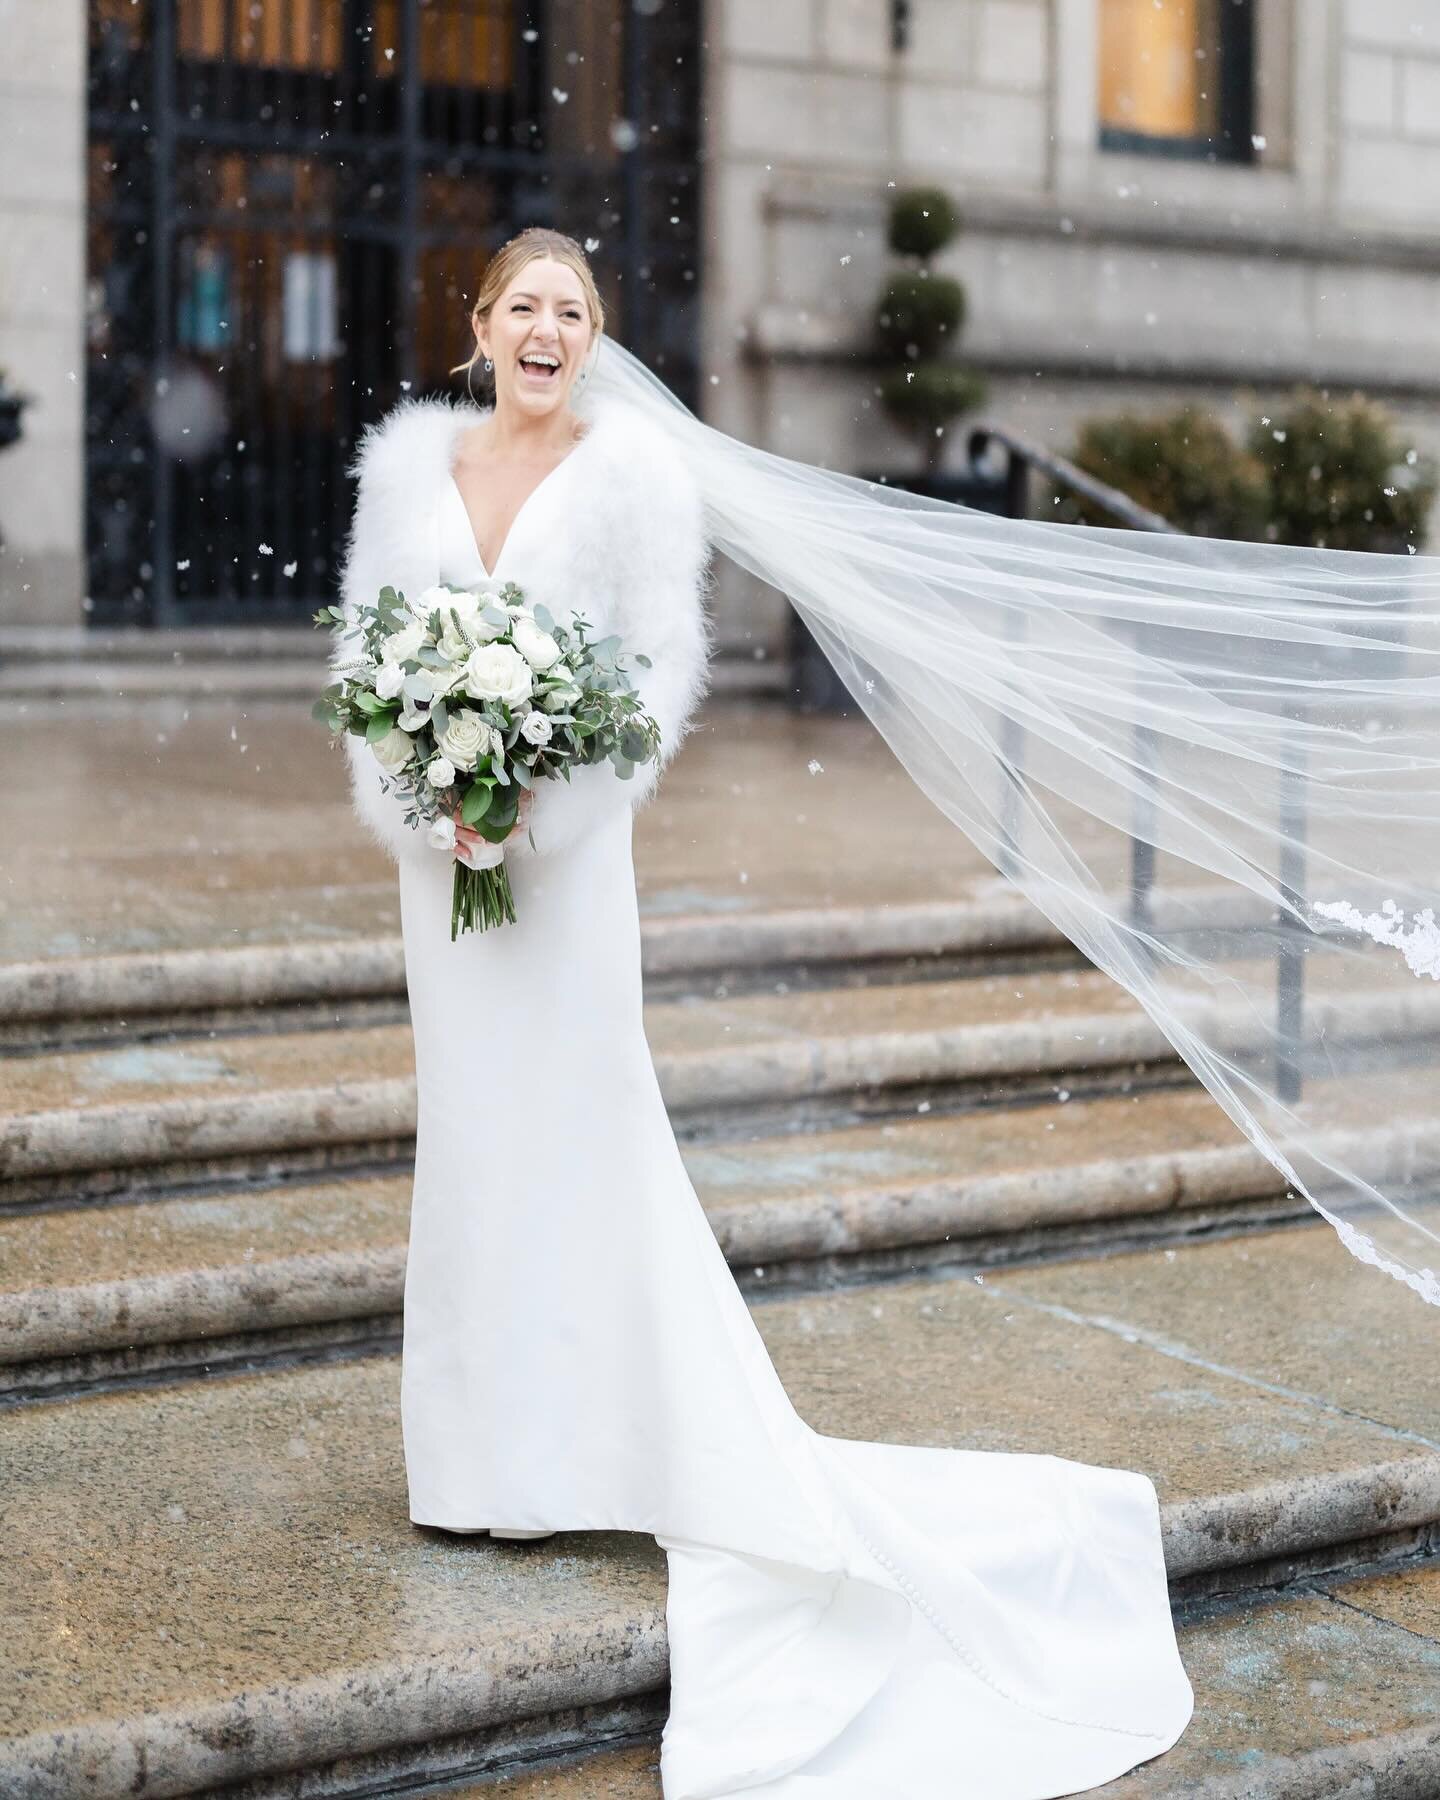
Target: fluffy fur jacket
[615,533]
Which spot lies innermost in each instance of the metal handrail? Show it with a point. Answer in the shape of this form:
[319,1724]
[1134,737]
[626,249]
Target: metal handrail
[1071,475]
[1023,457]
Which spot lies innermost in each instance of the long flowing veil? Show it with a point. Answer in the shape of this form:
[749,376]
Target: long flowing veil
[1214,765]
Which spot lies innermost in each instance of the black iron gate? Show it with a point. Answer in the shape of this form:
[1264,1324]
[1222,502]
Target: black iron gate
[291,202]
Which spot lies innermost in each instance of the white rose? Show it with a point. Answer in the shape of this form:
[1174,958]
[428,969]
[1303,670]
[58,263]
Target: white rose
[537,647]
[441,834]
[452,641]
[425,604]
[389,680]
[441,774]
[393,751]
[536,729]
[465,739]
[402,645]
[441,681]
[496,672]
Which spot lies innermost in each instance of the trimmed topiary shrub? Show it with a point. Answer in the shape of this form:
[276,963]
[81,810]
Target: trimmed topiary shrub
[919,317]
[1182,464]
[1340,474]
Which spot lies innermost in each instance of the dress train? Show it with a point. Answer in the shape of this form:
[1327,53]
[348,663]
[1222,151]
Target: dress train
[847,1621]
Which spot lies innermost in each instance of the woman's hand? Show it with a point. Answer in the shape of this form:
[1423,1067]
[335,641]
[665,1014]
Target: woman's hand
[470,840]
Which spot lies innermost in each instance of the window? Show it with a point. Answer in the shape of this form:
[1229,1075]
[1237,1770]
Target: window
[1177,78]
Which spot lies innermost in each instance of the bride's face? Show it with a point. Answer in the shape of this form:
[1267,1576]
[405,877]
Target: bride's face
[542,313]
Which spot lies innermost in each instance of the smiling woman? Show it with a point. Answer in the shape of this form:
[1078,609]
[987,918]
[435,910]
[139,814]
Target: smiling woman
[535,318]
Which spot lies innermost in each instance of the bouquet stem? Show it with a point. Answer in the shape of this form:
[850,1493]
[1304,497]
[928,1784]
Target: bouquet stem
[480,898]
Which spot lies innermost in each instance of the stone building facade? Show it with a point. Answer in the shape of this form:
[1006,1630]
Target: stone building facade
[1101,274]
[1100,277]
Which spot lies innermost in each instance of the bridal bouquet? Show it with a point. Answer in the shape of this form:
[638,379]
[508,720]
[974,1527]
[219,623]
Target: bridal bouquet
[468,699]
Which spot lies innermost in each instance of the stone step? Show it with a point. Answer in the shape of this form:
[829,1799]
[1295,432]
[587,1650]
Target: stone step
[292,1097]
[92,1122]
[93,1293]
[61,1000]
[269,664]
[219,1583]
[1326,1690]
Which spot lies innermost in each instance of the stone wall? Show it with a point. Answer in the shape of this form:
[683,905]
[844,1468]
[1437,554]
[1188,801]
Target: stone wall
[1097,279]
[42,307]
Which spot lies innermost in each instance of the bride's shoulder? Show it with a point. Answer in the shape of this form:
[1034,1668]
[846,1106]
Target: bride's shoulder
[411,431]
[644,458]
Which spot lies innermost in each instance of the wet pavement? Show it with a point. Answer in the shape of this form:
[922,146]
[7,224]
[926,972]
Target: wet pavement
[191,824]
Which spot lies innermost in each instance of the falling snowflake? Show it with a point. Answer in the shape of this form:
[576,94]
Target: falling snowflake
[591,246]
[291,567]
[559,95]
[815,766]
[265,550]
[844,259]
[182,566]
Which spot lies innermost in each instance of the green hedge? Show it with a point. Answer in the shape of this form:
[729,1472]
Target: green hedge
[1335,473]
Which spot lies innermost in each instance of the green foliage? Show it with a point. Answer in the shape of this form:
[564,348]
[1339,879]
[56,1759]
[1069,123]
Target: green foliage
[1341,475]
[923,221]
[924,398]
[919,317]
[1181,464]
[919,314]
[1335,474]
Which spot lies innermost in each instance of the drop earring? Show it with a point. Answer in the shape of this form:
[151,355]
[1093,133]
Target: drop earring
[488,365]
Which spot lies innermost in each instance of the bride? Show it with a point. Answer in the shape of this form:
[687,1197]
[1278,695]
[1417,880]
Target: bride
[846,1620]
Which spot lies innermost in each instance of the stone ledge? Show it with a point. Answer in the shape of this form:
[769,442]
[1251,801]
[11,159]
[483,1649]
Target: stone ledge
[82,1114]
[175,981]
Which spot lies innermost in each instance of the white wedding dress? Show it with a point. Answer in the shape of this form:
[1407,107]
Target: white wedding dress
[847,1621]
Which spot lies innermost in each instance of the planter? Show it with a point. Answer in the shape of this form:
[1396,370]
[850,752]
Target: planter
[814,684]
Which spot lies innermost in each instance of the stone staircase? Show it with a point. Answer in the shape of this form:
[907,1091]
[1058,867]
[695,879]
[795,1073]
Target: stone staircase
[975,1201]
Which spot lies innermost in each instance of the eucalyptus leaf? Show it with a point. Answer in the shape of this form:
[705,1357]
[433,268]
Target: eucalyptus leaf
[380,726]
[476,803]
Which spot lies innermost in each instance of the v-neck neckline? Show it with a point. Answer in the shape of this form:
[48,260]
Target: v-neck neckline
[549,475]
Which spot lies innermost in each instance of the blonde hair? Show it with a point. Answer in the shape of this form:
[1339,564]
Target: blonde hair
[507,262]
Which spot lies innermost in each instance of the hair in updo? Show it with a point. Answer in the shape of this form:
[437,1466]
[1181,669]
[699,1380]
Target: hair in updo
[511,257]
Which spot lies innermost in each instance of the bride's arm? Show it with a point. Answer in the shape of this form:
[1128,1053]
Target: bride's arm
[363,573]
[662,615]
